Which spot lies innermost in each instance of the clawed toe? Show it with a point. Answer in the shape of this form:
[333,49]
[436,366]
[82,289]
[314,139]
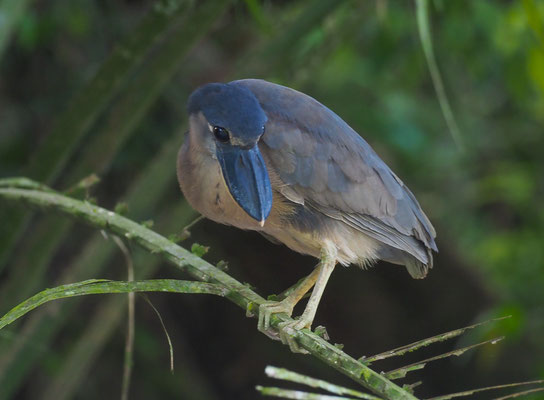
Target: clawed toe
[286,331]
[287,334]
[265,312]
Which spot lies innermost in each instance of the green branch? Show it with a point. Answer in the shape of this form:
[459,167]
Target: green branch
[104,286]
[199,269]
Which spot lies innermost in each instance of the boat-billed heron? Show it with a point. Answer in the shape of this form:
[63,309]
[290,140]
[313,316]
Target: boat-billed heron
[268,158]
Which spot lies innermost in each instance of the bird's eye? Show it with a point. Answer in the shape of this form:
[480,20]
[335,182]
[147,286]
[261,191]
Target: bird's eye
[221,134]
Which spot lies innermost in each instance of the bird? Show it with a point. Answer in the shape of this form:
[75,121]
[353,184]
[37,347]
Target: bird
[264,157]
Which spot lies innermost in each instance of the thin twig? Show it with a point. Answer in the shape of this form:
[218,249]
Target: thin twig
[470,392]
[518,394]
[170,346]
[402,371]
[185,232]
[131,320]
[399,351]
[83,185]
[422,7]
[194,222]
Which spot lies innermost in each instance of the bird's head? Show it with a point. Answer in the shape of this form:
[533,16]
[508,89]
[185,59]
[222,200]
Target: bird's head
[230,120]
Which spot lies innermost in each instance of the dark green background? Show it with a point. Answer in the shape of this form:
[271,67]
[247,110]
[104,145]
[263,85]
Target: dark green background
[364,60]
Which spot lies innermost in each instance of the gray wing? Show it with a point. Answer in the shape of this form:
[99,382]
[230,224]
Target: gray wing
[328,166]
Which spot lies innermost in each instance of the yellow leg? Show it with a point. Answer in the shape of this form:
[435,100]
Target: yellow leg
[307,317]
[319,277]
[286,305]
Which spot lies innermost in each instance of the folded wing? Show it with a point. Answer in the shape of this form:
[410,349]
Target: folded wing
[326,165]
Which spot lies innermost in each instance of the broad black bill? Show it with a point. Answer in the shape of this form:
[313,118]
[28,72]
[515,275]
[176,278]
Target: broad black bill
[246,176]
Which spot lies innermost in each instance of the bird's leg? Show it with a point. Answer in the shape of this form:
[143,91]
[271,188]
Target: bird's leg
[328,261]
[286,305]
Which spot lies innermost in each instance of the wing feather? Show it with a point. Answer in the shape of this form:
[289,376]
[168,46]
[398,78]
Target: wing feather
[328,166]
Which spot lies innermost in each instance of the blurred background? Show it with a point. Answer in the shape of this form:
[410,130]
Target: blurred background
[100,87]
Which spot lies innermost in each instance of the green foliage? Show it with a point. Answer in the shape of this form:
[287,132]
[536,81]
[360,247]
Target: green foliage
[104,286]
[199,250]
[100,87]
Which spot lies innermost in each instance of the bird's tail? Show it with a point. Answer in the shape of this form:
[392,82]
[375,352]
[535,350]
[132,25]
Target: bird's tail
[416,268]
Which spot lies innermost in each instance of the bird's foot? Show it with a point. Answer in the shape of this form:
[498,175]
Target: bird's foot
[288,330]
[273,307]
